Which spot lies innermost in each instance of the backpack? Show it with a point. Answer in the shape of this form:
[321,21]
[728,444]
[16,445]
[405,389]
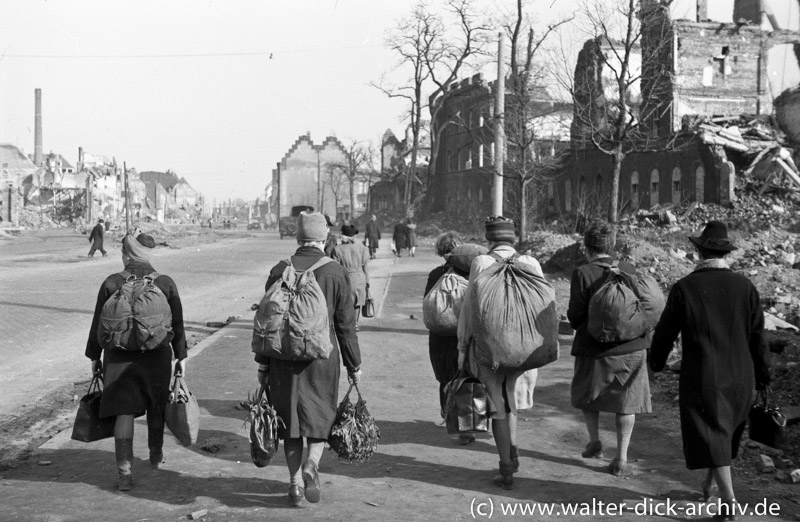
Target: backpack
[136,317]
[515,323]
[292,322]
[625,307]
[441,306]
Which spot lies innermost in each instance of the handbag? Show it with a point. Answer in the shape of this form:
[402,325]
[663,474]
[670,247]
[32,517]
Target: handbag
[466,407]
[88,426]
[767,423]
[263,435]
[368,310]
[182,415]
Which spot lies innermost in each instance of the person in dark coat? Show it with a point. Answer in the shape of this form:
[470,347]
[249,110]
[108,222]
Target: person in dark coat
[136,382]
[609,377]
[305,394]
[411,236]
[400,238]
[372,235]
[719,317]
[96,239]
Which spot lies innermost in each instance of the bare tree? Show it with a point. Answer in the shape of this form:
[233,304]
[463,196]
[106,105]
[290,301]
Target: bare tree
[617,74]
[336,184]
[353,169]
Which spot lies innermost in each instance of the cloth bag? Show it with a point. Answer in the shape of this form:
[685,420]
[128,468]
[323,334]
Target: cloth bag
[263,434]
[368,310]
[767,423]
[88,426]
[183,414]
[466,407]
[354,434]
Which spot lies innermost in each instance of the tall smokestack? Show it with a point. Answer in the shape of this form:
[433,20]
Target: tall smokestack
[37,139]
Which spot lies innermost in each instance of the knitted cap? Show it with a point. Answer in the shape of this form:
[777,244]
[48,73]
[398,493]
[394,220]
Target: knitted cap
[311,226]
[499,228]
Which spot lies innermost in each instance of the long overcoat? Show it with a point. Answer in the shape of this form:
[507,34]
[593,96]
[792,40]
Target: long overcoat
[372,234]
[718,314]
[354,258]
[305,394]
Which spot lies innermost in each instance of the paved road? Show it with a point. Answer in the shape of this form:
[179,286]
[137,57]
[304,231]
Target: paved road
[48,289]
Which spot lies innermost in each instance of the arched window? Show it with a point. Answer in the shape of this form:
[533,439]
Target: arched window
[582,188]
[700,184]
[480,194]
[598,185]
[654,187]
[568,195]
[676,186]
[634,189]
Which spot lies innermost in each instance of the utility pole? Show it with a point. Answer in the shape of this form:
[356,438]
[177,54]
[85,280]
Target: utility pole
[499,129]
[127,199]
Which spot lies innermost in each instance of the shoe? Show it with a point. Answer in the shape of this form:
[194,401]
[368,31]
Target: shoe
[466,438]
[617,467]
[593,450]
[125,482]
[515,458]
[156,458]
[505,479]
[311,481]
[729,513]
[709,491]
[295,496]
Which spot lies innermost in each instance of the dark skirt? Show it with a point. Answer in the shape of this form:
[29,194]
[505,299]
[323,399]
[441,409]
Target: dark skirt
[305,395]
[444,360]
[615,384]
[135,381]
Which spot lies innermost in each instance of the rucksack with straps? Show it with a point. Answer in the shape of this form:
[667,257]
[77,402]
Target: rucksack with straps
[292,318]
[515,324]
[625,307]
[136,317]
[441,306]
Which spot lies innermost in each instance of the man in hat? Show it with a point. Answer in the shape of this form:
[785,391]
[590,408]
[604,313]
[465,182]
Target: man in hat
[372,235]
[96,239]
[501,383]
[718,314]
[305,394]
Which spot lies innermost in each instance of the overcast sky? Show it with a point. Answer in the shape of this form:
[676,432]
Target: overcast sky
[216,91]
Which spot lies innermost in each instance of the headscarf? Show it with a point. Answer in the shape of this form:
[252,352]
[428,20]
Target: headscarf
[138,246]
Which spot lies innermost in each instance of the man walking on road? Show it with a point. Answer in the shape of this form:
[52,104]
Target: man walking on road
[372,235]
[96,239]
[305,393]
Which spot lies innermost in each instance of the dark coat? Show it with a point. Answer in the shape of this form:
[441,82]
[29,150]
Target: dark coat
[136,381]
[305,394]
[718,314]
[96,236]
[372,234]
[400,236]
[586,280]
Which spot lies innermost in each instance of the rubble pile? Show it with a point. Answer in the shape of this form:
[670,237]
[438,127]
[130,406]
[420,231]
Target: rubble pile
[37,218]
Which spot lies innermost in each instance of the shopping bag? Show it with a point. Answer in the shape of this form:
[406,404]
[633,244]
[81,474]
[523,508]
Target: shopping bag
[354,435]
[183,414]
[88,426]
[263,434]
[466,407]
[368,310]
[767,423]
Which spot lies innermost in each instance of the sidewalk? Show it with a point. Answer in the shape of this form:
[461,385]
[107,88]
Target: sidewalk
[419,472]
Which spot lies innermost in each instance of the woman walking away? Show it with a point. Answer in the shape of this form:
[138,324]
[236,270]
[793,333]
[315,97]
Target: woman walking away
[719,317]
[400,238]
[609,377]
[137,378]
[305,394]
[411,236]
[354,257]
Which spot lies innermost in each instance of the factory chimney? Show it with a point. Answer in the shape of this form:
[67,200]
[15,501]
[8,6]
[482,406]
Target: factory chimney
[37,143]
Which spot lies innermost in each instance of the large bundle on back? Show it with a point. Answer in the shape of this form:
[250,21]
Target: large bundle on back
[515,323]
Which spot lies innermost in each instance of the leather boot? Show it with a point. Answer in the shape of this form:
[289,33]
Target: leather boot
[506,477]
[123,450]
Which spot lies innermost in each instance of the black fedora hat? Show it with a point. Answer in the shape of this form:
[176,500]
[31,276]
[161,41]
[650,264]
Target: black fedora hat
[714,237]
[349,230]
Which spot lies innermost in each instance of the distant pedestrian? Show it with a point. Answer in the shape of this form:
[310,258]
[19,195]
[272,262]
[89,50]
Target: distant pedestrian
[354,257]
[372,235]
[411,235]
[305,394]
[96,238]
[501,384]
[718,315]
[609,377]
[333,237]
[400,238]
[137,381]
